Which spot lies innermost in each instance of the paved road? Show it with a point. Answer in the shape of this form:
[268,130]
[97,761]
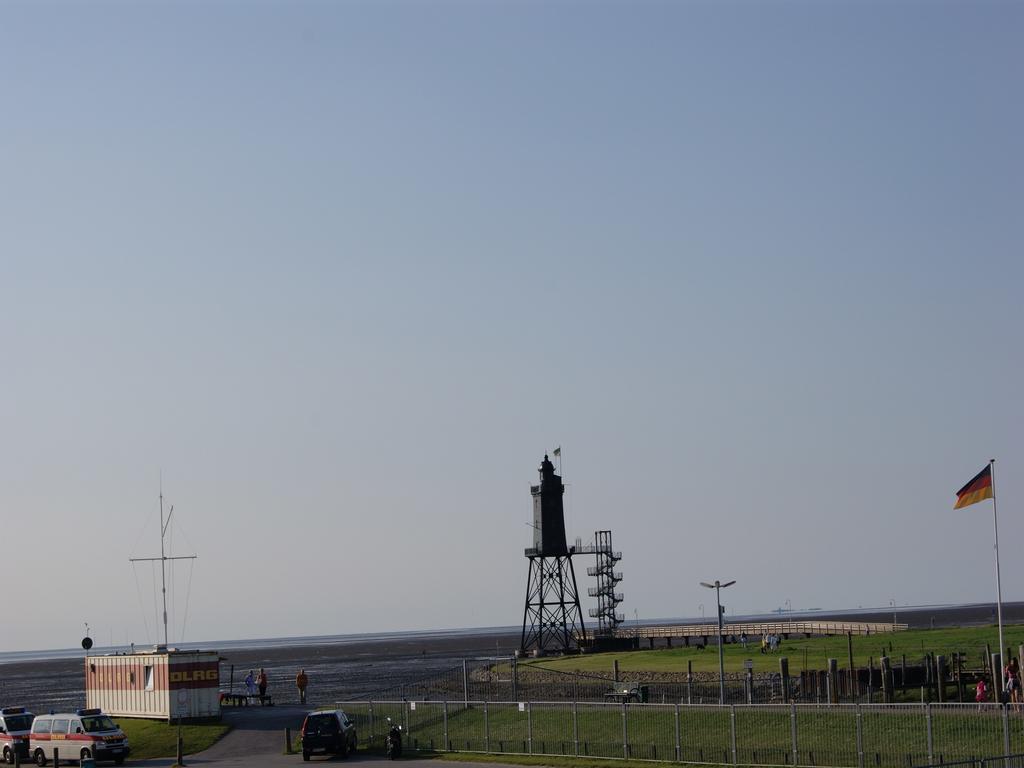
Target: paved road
[257,740]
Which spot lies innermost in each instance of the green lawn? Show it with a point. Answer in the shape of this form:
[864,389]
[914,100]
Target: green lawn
[892,737]
[803,653]
[155,738]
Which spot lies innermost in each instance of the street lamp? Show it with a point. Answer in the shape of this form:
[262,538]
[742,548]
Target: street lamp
[892,602]
[702,612]
[718,587]
[789,605]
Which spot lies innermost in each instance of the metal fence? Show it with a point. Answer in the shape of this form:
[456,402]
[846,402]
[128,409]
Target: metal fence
[844,735]
[503,679]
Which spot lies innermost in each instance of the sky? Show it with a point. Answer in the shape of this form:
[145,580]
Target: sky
[337,275]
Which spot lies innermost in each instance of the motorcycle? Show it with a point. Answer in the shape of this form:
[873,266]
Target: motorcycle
[393,740]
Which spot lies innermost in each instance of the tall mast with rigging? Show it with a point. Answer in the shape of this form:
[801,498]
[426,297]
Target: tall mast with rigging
[163,557]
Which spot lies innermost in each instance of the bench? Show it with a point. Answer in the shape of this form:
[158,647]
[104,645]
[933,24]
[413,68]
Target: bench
[245,700]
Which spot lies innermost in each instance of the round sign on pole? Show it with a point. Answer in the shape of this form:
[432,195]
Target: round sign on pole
[182,702]
[87,642]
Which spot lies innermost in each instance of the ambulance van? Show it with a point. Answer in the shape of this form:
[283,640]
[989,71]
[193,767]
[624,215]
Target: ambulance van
[15,723]
[87,733]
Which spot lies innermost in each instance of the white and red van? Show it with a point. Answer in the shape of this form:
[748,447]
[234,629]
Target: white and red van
[15,723]
[87,733]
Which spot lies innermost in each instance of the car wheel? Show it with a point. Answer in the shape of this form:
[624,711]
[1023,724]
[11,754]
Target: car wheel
[40,758]
[305,755]
[86,754]
[8,755]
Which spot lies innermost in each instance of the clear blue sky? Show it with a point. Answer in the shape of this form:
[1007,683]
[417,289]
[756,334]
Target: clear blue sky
[344,271]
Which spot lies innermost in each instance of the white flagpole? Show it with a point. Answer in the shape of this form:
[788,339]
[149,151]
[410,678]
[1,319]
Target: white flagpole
[999,586]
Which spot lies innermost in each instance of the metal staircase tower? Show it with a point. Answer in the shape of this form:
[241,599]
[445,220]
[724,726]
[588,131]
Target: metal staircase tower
[607,580]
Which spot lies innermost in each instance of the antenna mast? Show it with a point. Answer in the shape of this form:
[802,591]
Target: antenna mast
[163,557]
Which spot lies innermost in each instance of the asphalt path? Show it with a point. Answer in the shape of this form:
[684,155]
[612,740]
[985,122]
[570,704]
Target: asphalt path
[257,740]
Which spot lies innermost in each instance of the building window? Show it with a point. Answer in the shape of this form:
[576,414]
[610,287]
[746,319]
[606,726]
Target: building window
[149,677]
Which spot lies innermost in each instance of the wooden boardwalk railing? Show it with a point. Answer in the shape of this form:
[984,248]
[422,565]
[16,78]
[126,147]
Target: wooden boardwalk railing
[755,630]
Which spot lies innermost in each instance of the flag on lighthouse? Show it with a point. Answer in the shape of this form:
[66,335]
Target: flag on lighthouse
[978,489]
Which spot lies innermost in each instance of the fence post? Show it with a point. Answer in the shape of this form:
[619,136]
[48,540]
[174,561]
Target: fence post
[1006,730]
[928,718]
[854,682]
[625,732]
[447,745]
[886,667]
[465,685]
[784,674]
[830,681]
[372,731]
[575,729]
[529,725]
[515,678]
[679,743]
[860,738]
[792,728]
[689,681]
[405,716]
[732,728]
[487,730]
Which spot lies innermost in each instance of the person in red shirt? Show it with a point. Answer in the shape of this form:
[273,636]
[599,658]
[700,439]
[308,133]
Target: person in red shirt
[981,692]
[262,681]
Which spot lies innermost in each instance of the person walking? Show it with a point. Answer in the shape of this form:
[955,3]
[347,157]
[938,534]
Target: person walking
[262,681]
[250,686]
[981,692]
[301,681]
[1012,673]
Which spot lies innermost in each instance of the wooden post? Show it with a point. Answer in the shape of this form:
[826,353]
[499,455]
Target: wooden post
[689,681]
[784,671]
[940,678]
[56,757]
[871,677]
[855,684]
[287,741]
[833,690]
[996,663]
[886,679]
[960,677]
[615,670]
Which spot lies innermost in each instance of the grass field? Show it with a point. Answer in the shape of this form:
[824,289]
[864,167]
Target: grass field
[803,653]
[892,737]
[155,738]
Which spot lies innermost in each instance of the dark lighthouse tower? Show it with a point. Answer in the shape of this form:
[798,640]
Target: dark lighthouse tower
[552,619]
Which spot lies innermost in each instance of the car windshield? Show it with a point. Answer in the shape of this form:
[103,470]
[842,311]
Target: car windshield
[18,722]
[98,723]
[322,723]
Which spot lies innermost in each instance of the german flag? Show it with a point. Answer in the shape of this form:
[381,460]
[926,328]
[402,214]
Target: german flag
[978,489]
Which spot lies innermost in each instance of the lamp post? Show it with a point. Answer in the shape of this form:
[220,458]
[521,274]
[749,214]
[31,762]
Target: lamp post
[718,587]
[789,605]
[892,602]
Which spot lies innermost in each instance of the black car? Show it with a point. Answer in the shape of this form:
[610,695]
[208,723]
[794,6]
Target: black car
[330,731]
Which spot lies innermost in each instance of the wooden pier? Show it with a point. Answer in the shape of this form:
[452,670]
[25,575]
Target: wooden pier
[755,630]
